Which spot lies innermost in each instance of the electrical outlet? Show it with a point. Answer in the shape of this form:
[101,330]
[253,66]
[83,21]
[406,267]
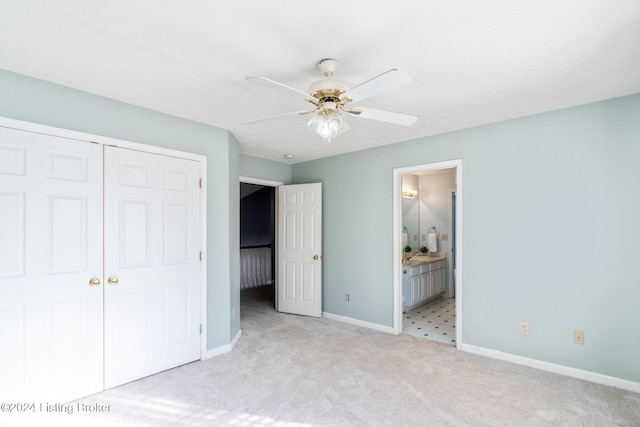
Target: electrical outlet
[346,297]
[578,337]
[524,328]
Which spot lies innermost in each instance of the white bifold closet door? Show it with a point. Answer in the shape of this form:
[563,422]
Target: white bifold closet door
[68,209]
[50,250]
[152,313]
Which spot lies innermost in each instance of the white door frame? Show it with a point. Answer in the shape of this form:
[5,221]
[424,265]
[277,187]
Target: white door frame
[397,240]
[104,140]
[258,181]
[274,184]
[451,228]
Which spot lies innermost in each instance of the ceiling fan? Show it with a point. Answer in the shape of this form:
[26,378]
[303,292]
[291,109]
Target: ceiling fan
[330,98]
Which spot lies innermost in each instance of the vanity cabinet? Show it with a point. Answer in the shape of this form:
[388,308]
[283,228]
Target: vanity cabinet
[438,279]
[422,283]
[416,290]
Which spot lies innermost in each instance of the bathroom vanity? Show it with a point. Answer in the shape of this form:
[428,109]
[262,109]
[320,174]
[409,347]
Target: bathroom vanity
[423,279]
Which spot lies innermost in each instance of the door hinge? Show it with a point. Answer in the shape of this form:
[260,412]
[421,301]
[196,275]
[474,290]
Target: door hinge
[200,183]
[200,255]
[200,328]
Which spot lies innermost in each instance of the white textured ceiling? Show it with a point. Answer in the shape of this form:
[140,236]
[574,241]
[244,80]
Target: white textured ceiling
[472,62]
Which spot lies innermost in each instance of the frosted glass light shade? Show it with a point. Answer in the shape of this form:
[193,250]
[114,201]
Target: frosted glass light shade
[328,124]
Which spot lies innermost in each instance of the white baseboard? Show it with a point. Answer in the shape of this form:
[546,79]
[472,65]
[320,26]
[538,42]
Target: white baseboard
[377,327]
[223,348]
[552,367]
[236,339]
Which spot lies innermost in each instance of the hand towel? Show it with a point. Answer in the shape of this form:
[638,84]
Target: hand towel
[432,241]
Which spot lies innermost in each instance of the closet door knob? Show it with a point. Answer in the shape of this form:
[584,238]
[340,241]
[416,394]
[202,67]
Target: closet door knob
[113,280]
[94,282]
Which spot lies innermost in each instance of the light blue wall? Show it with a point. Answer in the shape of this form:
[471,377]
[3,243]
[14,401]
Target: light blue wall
[549,219]
[255,167]
[550,232]
[37,101]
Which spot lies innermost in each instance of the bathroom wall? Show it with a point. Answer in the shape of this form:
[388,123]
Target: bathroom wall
[435,210]
[434,196]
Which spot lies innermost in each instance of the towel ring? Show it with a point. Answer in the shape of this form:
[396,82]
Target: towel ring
[432,229]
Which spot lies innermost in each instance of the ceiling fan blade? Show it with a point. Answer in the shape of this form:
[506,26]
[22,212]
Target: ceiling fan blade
[385,116]
[264,119]
[263,81]
[382,83]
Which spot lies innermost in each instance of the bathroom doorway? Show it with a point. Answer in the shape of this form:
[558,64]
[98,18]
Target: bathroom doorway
[433,207]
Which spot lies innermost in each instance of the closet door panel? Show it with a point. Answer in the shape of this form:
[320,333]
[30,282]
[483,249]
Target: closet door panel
[12,230]
[50,249]
[152,313]
[57,234]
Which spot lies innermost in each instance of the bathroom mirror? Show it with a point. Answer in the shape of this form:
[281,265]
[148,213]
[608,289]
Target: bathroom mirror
[411,210]
[410,220]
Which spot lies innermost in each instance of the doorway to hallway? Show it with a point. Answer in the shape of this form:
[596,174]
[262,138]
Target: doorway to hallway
[293,247]
[257,236]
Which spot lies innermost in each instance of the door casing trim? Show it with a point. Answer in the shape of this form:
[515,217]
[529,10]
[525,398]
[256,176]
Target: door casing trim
[397,240]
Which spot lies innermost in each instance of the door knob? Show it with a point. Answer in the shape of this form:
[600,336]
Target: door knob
[316,257]
[113,280]
[94,282]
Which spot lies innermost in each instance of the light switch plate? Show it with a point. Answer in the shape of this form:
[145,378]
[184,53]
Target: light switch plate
[444,237]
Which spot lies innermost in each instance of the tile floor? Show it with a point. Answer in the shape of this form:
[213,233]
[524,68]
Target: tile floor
[436,320]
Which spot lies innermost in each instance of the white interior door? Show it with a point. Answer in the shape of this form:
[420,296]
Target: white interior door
[152,270]
[299,271]
[50,249]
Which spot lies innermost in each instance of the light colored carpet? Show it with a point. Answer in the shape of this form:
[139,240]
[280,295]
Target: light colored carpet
[298,371]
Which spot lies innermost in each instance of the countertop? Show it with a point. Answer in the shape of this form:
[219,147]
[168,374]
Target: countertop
[415,259]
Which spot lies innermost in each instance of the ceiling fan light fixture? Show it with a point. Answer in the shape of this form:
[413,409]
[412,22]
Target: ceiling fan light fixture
[328,124]
[327,87]
[330,98]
